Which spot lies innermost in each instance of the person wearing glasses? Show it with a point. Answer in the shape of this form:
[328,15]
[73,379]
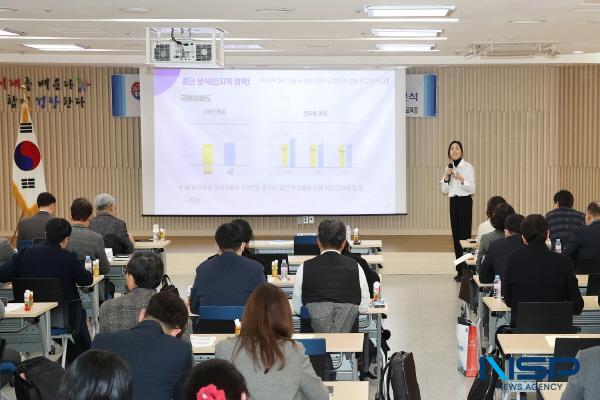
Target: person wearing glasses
[50,259]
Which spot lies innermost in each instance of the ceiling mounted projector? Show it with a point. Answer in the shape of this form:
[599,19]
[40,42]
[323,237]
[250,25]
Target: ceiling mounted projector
[185,47]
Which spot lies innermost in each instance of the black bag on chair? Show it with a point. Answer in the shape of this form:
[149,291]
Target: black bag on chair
[167,286]
[400,378]
[43,379]
[484,389]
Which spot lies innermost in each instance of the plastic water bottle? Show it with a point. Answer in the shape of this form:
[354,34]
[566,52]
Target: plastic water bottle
[284,270]
[558,246]
[88,264]
[497,287]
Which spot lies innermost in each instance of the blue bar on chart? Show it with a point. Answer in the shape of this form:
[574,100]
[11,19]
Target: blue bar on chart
[349,156]
[229,154]
[292,153]
[320,155]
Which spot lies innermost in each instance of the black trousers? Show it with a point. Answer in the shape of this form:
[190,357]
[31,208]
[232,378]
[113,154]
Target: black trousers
[461,215]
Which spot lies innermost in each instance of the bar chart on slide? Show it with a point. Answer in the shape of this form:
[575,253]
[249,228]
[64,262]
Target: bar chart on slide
[315,155]
[210,158]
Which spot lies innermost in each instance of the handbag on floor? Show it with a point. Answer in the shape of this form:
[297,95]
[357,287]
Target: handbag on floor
[484,389]
[43,378]
[399,378]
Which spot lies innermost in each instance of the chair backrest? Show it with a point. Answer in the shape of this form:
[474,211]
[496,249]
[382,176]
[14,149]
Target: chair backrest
[593,286]
[546,317]
[267,258]
[568,347]
[316,350]
[589,266]
[44,290]
[21,244]
[220,313]
[313,347]
[306,245]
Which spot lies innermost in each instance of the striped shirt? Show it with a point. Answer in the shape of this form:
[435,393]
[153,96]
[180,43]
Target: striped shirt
[563,222]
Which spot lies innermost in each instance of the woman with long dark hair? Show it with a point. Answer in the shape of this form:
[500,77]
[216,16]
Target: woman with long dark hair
[96,375]
[458,183]
[274,365]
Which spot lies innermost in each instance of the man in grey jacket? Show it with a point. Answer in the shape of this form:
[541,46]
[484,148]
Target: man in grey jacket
[112,229]
[83,240]
[35,227]
[585,385]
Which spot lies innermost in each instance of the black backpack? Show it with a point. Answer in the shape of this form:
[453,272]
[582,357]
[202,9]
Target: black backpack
[400,378]
[484,389]
[43,379]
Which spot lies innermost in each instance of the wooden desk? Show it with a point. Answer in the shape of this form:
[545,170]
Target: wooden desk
[287,246]
[289,283]
[91,303]
[349,390]
[534,343]
[467,244]
[23,336]
[590,303]
[151,245]
[335,342]
[471,262]
[372,259]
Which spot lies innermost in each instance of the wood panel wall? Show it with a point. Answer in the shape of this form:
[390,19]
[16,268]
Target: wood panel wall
[528,130]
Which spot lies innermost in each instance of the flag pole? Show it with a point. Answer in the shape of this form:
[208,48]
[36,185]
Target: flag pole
[12,240]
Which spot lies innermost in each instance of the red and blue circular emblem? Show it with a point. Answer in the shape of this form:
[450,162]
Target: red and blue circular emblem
[27,156]
[135,90]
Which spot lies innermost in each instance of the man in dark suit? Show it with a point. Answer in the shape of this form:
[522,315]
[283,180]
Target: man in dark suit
[35,227]
[535,274]
[228,279]
[494,262]
[49,259]
[158,360]
[112,229]
[84,241]
[585,243]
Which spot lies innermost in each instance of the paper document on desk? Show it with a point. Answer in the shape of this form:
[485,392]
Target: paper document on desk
[464,258]
[203,341]
[551,339]
[13,307]
[302,336]
[280,241]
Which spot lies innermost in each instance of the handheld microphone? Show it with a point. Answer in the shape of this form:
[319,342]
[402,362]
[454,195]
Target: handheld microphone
[451,165]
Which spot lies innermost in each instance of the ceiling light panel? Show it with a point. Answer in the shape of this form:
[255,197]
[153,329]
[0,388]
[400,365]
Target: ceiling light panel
[409,11]
[526,21]
[405,47]
[243,47]
[9,32]
[55,47]
[406,32]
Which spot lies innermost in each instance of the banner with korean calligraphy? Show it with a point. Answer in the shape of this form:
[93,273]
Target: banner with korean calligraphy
[28,178]
[125,95]
[421,95]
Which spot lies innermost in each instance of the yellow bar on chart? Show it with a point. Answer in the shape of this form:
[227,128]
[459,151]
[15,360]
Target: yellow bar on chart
[313,156]
[208,158]
[284,156]
[342,156]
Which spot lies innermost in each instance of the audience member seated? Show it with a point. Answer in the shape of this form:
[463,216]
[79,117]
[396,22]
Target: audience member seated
[96,374]
[229,279]
[371,275]
[274,365]
[112,229]
[159,362]
[495,259]
[535,274]
[501,211]
[563,220]
[50,260]
[486,226]
[333,287]
[144,273]
[84,241]
[6,251]
[215,379]
[585,242]
[35,227]
[585,384]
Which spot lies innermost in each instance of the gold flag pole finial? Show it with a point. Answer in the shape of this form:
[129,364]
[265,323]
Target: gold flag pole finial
[25,114]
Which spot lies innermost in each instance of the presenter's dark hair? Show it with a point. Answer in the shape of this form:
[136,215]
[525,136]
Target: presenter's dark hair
[45,199]
[81,209]
[594,209]
[332,233]
[248,234]
[534,228]
[513,223]
[97,375]
[229,236]
[221,373]
[492,204]
[168,309]
[147,269]
[57,229]
[502,211]
[459,145]
[564,198]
